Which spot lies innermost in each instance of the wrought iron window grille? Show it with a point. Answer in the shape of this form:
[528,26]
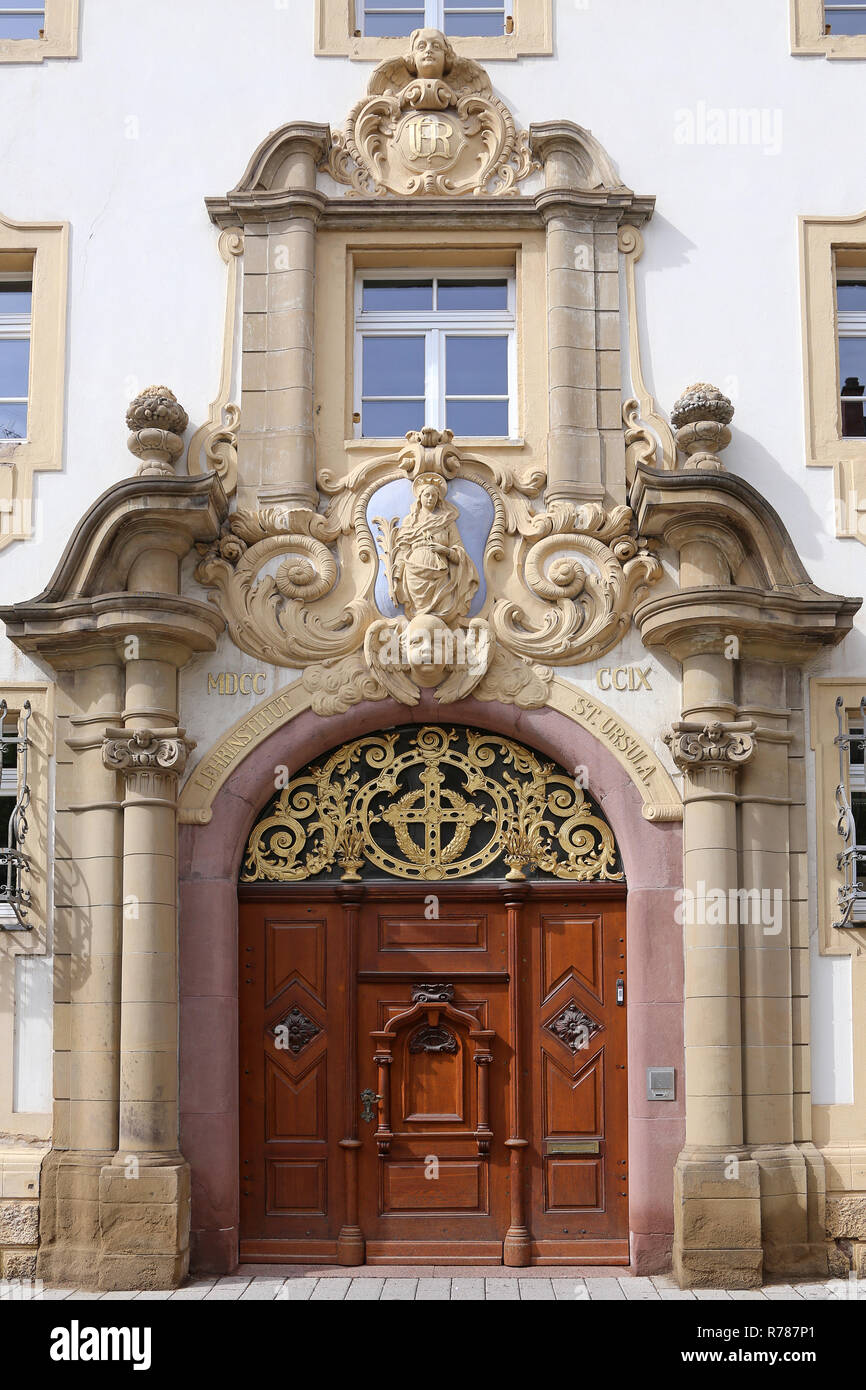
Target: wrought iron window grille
[14,864]
[851,860]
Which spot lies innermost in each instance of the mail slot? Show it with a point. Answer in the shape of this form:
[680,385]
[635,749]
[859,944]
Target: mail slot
[585,1146]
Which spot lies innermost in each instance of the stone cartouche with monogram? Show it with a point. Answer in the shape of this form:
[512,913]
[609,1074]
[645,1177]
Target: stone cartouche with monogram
[430,124]
[430,568]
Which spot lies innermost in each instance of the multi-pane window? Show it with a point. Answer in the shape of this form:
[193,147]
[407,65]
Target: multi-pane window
[16,297]
[475,18]
[851,320]
[21,21]
[434,350]
[845,19]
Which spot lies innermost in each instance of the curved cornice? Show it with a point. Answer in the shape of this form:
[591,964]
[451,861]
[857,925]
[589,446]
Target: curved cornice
[771,604]
[86,602]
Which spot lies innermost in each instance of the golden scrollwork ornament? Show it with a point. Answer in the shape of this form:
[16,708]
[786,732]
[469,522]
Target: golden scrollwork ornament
[431,804]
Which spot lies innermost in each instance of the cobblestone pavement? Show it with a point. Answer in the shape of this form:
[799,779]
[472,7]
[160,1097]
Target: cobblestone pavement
[373,1283]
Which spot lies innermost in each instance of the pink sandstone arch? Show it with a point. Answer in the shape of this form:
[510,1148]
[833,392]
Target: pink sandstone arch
[209,860]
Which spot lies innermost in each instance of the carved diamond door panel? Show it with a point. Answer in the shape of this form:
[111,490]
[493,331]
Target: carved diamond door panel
[291,986]
[576,1036]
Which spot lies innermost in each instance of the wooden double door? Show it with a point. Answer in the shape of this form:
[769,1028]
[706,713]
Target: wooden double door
[433,1073]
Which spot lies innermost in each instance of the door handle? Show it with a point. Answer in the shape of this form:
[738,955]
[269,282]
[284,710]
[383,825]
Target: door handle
[620,991]
[368,1101]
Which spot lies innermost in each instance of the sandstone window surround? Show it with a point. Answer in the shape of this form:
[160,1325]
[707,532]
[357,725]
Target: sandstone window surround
[339,32]
[58,39]
[23,953]
[829,249]
[40,249]
[825,692]
[809,21]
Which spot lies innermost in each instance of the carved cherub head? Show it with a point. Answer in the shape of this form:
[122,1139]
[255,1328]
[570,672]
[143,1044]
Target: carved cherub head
[430,54]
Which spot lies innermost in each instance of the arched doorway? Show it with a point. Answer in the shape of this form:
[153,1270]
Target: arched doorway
[211,862]
[433,1043]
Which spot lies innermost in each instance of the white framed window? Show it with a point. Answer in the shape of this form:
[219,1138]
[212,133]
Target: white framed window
[844,19]
[437,349]
[16,306]
[473,18]
[22,21]
[851,330]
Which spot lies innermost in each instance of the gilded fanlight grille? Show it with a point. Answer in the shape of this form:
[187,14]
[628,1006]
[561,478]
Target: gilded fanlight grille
[431,804]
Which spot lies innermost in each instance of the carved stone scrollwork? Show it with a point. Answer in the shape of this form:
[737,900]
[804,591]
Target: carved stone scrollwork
[698,746]
[214,446]
[432,601]
[146,750]
[430,124]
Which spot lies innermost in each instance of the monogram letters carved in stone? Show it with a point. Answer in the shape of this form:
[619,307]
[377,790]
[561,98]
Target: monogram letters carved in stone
[430,124]
[471,590]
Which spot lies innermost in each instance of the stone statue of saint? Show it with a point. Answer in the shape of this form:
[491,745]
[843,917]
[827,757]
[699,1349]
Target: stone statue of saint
[428,568]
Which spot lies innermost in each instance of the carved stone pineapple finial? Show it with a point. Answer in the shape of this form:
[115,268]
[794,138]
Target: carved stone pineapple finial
[701,417]
[157,421]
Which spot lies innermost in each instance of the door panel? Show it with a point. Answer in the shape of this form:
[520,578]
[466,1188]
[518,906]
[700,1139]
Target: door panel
[407,994]
[292,1042]
[577,1168]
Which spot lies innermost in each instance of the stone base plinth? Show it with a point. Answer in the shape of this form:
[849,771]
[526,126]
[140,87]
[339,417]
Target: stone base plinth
[717,1220]
[144,1206]
[110,1222]
[792,1210]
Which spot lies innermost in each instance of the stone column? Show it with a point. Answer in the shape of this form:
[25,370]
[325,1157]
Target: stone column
[87,944]
[717,1206]
[144,1193]
[277,452]
[792,1177]
[583,324]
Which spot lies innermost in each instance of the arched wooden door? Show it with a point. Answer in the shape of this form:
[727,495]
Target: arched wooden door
[433,1070]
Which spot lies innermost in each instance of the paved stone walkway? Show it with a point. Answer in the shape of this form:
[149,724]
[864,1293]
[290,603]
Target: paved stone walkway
[374,1284]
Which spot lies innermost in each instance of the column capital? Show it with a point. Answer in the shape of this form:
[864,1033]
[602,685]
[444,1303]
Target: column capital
[133,751]
[699,747]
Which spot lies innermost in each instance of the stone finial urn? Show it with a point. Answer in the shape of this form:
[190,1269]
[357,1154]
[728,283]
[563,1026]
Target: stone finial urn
[700,418]
[157,421]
